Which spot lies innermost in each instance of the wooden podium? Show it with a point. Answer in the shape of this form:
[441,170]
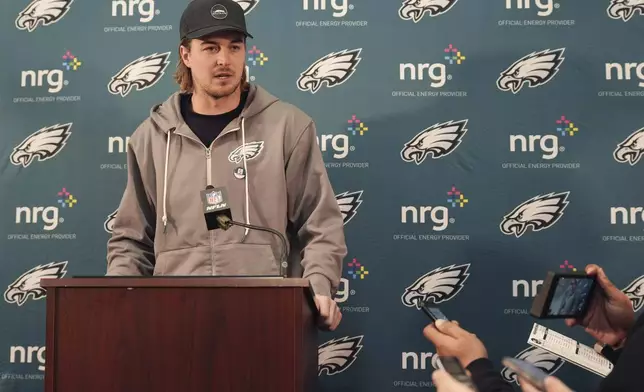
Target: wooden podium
[180,334]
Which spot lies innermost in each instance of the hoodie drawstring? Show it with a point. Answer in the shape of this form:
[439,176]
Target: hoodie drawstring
[245,178]
[165,180]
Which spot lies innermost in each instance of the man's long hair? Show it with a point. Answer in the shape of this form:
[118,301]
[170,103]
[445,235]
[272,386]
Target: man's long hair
[183,74]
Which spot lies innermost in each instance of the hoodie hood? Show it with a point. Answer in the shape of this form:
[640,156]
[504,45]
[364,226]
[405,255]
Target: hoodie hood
[167,115]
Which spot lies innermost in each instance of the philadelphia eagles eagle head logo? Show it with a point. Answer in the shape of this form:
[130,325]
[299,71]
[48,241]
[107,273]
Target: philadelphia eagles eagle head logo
[335,356]
[349,202]
[41,145]
[437,141]
[416,9]
[108,225]
[42,13]
[332,70]
[540,358]
[250,150]
[247,5]
[533,70]
[635,292]
[140,74]
[439,285]
[625,9]
[538,213]
[631,149]
[28,284]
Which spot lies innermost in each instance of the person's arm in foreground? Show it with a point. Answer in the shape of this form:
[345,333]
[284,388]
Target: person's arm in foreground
[444,382]
[452,340]
[611,320]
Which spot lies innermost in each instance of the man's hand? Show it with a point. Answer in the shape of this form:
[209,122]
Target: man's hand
[444,382]
[610,314]
[453,341]
[553,384]
[330,314]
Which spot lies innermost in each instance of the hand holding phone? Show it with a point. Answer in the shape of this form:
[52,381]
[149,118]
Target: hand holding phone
[611,313]
[527,371]
[564,295]
[453,366]
[433,313]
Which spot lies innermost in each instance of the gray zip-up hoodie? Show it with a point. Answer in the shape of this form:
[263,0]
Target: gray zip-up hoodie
[160,228]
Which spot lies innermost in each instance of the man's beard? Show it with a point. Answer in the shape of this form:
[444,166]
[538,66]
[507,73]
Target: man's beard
[223,92]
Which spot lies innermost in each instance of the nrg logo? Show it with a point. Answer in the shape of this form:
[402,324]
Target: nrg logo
[626,215]
[355,270]
[340,144]
[48,216]
[339,7]
[436,72]
[144,9]
[52,79]
[626,71]
[118,144]
[256,58]
[547,145]
[544,7]
[438,216]
[29,354]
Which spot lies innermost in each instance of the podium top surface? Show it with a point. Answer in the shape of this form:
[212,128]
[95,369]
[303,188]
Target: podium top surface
[175,281]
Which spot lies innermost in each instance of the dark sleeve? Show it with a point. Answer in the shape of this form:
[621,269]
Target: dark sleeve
[627,375]
[486,378]
[611,354]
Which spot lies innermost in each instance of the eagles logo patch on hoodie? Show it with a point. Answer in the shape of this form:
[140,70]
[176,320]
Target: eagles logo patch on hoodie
[250,150]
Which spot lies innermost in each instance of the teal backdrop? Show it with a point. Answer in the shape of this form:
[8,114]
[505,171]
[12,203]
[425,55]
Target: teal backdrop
[473,146]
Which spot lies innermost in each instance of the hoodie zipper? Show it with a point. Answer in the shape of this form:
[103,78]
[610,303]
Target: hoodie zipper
[208,166]
[211,234]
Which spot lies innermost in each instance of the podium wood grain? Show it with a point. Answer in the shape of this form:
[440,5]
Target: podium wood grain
[180,335]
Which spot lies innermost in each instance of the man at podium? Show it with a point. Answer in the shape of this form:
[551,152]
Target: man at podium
[220,133]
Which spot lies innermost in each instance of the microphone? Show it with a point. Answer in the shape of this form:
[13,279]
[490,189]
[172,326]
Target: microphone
[218,216]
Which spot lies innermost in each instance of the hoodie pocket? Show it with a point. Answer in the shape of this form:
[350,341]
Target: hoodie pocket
[245,259]
[184,262]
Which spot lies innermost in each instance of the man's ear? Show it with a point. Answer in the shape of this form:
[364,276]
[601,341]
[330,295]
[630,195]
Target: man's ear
[184,54]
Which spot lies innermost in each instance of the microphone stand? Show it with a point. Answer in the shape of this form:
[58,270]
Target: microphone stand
[226,223]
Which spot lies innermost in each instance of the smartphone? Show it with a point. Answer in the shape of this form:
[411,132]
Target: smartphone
[527,371]
[453,366]
[433,313]
[564,295]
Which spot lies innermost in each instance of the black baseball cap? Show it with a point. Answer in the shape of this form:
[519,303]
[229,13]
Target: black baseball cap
[203,17]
